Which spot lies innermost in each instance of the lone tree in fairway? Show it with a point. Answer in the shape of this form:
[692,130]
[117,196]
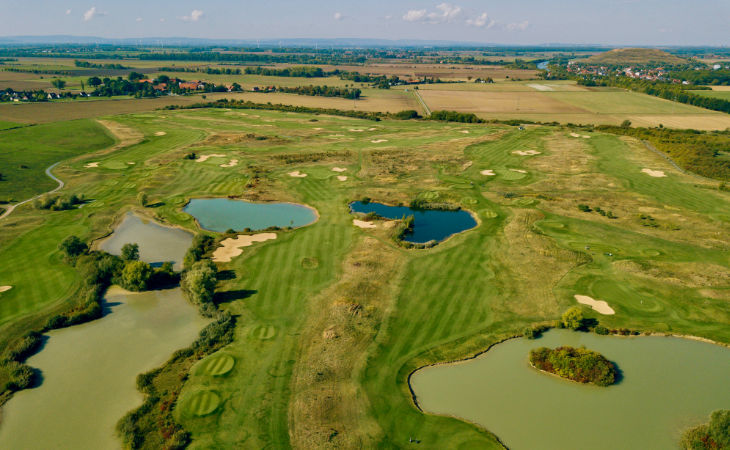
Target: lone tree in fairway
[130,252]
[572,318]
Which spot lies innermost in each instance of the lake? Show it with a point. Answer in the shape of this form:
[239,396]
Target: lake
[157,243]
[89,371]
[668,385]
[428,224]
[221,214]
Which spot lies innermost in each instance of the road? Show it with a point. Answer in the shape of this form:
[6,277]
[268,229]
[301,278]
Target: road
[11,208]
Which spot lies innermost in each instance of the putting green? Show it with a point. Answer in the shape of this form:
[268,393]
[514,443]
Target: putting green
[116,165]
[201,403]
[217,365]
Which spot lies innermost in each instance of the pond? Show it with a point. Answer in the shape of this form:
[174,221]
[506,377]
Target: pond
[89,371]
[428,224]
[157,243]
[221,214]
[668,385]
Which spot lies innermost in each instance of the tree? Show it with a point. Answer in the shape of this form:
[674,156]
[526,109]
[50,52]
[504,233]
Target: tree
[135,76]
[142,198]
[130,252]
[94,81]
[572,318]
[626,123]
[72,246]
[58,83]
[135,275]
[199,282]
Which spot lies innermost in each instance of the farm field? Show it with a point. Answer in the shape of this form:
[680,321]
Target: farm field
[331,319]
[565,102]
[715,93]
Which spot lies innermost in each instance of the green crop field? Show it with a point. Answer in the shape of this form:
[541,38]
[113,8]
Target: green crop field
[724,94]
[331,319]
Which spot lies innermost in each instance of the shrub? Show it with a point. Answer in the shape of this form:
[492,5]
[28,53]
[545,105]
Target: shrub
[600,329]
[198,284]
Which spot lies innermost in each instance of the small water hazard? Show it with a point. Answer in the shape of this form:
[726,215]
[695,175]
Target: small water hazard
[222,214]
[428,224]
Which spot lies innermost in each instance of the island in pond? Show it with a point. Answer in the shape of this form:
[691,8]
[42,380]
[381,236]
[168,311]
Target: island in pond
[575,364]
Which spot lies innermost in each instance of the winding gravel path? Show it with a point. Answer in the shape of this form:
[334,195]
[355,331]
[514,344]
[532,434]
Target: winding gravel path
[11,208]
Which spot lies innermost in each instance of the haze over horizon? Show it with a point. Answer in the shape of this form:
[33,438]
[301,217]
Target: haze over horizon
[615,22]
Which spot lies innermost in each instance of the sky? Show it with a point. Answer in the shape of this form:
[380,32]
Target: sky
[610,22]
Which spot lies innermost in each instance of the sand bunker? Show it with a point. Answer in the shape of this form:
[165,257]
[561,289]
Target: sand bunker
[363,224]
[319,128]
[585,136]
[576,135]
[356,130]
[204,158]
[231,163]
[372,129]
[654,173]
[599,306]
[233,247]
[526,152]
[518,170]
[131,163]
[338,169]
[341,177]
[90,165]
[160,133]
[5,288]
[297,174]
[378,141]
[488,172]
[464,131]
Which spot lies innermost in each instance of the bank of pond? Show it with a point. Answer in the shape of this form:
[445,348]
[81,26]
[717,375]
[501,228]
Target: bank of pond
[666,385]
[426,225]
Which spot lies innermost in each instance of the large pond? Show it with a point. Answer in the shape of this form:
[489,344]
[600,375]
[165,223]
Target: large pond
[157,243]
[428,224]
[89,371]
[668,384]
[221,214]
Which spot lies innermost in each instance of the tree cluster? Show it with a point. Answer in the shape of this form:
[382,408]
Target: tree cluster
[576,364]
[322,91]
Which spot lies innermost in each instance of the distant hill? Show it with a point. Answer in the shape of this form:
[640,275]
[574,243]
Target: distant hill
[634,56]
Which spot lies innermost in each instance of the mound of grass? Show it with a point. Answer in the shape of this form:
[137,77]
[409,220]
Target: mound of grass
[621,56]
[217,365]
[575,364]
[201,403]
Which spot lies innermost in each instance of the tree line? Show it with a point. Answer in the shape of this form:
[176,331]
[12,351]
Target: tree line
[322,91]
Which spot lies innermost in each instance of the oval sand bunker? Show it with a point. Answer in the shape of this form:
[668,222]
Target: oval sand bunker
[5,288]
[654,173]
[597,305]
[234,247]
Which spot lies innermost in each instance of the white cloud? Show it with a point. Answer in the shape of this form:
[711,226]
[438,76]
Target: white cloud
[194,16]
[414,15]
[482,20]
[338,16]
[138,19]
[445,12]
[162,19]
[92,13]
[388,17]
[518,26]
[68,12]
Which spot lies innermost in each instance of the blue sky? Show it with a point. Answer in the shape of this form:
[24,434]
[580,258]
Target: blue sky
[614,22]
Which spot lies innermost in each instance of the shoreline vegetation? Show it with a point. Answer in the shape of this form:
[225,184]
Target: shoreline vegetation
[714,435]
[575,364]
